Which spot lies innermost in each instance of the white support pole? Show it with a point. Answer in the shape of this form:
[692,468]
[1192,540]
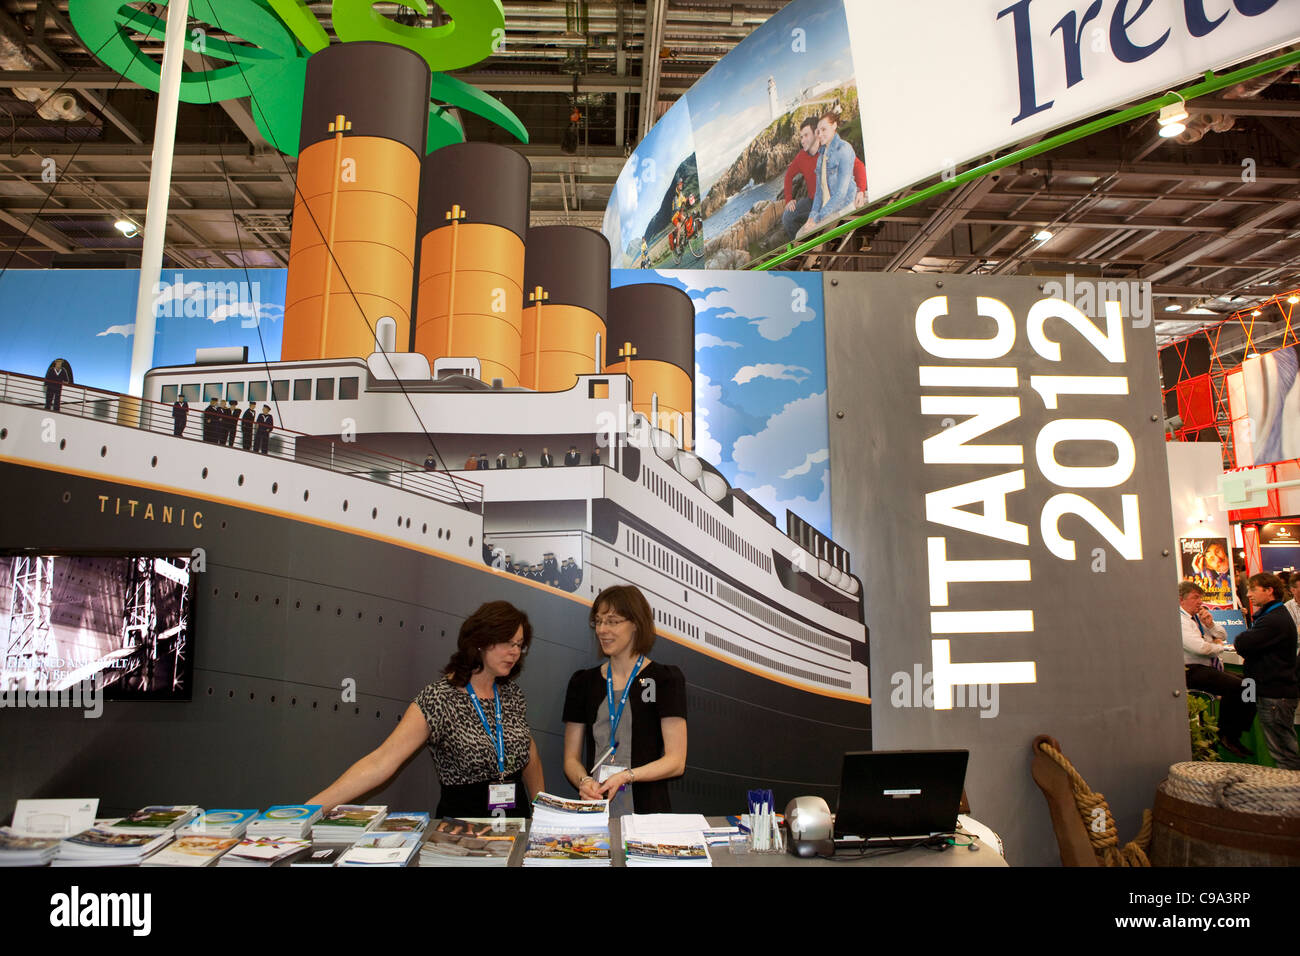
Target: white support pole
[160,179]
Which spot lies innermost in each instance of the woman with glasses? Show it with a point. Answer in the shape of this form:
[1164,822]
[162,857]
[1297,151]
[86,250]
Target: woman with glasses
[625,721]
[475,721]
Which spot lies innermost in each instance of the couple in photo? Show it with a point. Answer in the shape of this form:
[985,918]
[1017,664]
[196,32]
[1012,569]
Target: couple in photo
[835,178]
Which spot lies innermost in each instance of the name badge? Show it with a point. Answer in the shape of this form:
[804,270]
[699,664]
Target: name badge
[501,795]
[607,770]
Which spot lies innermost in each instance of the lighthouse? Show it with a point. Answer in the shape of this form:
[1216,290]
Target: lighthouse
[773,104]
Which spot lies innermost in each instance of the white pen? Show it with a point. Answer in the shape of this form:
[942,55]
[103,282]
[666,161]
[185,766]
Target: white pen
[609,752]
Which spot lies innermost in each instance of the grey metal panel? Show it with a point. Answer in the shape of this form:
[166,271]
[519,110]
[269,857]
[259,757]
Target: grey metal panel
[1105,643]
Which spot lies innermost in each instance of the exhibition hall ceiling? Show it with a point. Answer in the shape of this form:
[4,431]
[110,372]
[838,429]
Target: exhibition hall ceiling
[1211,219]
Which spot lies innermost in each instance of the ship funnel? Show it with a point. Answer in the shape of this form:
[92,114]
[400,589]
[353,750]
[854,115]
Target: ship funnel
[566,293]
[473,222]
[651,339]
[352,250]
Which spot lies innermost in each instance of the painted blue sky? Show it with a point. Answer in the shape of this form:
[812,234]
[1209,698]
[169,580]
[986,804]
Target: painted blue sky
[729,104]
[87,316]
[649,173]
[760,383]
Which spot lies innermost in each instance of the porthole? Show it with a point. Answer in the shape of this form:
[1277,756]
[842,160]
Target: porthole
[103,451]
[223,526]
[240,481]
[424,529]
[153,463]
[277,602]
[440,533]
[236,596]
[209,691]
[297,605]
[257,598]
[358,615]
[4,433]
[275,487]
[399,521]
[306,495]
[251,695]
[273,698]
[376,715]
[205,473]
[63,443]
[471,541]
[293,701]
[313,705]
[421,628]
[408,522]
[355,711]
[317,608]
[232,694]
[374,513]
[67,496]
[345,504]
[338,612]
[216,591]
[336,707]
[381,619]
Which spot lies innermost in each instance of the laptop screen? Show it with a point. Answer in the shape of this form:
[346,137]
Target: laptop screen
[900,793]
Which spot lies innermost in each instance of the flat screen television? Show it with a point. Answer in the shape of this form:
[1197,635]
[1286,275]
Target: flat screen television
[123,619]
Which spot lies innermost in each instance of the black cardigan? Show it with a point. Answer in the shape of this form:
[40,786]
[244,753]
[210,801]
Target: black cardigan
[1269,650]
[587,692]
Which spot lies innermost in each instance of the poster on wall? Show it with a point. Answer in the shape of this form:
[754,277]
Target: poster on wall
[915,91]
[778,134]
[1204,561]
[1264,399]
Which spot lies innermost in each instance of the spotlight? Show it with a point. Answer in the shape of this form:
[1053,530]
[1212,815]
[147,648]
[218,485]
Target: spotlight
[1293,299]
[127,228]
[1256,314]
[1173,307]
[1172,117]
[1042,235]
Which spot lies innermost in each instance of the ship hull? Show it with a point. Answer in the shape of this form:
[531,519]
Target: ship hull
[308,644]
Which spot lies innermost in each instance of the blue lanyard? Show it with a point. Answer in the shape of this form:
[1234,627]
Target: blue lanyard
[499,738]
[616,715]
[1267,607]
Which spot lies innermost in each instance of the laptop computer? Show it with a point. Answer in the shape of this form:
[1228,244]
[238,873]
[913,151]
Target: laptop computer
[893,797]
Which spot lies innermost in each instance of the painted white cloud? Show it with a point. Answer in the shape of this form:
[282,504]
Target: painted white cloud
[176,292]
[773,304]
[748,373]
[783,444]
[707,340]
[814,458]
[243,310]
[707,395]
[122,330]
[808,509]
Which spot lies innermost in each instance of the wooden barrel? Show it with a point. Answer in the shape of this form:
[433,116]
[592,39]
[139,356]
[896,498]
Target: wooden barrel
[1192,834]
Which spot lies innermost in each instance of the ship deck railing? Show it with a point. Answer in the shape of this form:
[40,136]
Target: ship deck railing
[337,455]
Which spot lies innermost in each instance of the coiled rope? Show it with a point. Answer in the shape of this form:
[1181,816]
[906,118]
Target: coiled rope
[1098,821]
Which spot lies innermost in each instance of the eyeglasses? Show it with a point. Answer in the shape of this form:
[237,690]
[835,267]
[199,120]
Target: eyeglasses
[607,621]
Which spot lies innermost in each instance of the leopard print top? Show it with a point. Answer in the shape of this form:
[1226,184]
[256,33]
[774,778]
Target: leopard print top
[463,752]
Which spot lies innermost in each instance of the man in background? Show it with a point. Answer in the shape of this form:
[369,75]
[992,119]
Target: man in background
[1268,648]
[1203,642]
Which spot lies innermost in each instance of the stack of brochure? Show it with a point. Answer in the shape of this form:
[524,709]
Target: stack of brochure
[256,851]
[568,832]
[157,819]
[322,854]
[19,850]
[404,822]
[347,823]
[192,849]
[664,839]
[477,843]
[221,823]
[107,846]
[383,849]
[285,821]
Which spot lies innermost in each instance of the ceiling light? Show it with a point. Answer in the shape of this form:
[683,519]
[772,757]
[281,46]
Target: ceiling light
[1042,235]
[1172,117]
[1173,307]
[127,228]
[1293,299]
[1201,310]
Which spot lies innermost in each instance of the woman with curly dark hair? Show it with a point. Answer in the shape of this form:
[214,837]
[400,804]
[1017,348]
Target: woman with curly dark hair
[475,721]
